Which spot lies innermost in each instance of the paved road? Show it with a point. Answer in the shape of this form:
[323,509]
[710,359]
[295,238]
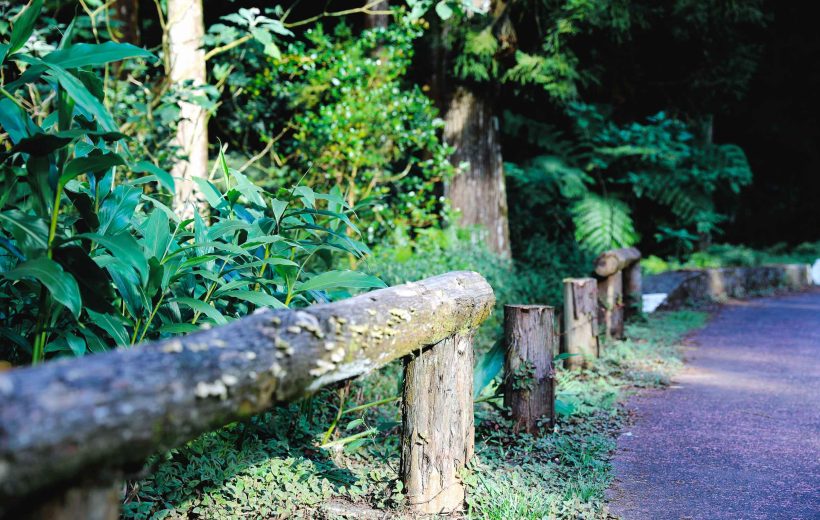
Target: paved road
[738,434]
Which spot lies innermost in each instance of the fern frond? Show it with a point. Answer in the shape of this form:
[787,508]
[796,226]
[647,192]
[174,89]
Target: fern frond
[603,223]
[477,61]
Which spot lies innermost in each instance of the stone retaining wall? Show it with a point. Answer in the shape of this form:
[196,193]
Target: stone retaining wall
[692,286]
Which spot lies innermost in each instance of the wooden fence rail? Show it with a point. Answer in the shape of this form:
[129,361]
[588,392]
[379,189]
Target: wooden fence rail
[68,429]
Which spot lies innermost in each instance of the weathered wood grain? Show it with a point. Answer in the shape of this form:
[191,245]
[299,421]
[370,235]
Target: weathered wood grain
[580,321]
[614,260]
[66,419]
[438,426]
[529,375]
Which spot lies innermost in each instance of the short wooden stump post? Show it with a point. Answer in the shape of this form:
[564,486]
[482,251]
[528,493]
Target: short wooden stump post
[438,432]
[580,321]
[529,375]
[633,290]
[611,300]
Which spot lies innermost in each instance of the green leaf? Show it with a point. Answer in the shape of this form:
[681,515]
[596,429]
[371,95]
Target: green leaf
[354,424]
[76,344]
[307,195]
[90,54]
[24,25]
[603,223]
[255,297]
[249,190]
[4,50]
[178,328]
[156,234]
[127,284]
[203,308]
[165,178]
[564,408]
[110,324]
[41,144]
[125,249]
[90,164]
[118,208]
[443,10]
[212,194]
[278,207]
[62,286]
[29,231]
[15,121]
[488,366]
[79,93]
[340,279]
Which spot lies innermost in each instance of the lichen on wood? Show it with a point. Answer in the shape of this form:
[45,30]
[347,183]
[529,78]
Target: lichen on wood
[102,412]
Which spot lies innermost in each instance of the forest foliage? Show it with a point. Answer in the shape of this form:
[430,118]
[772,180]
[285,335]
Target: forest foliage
[328,174]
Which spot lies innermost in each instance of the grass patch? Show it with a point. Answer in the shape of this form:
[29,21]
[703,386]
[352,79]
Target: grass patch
[272,467]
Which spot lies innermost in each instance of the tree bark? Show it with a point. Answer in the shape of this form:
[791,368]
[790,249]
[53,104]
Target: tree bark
[127,14]
[88,415]
[529,376]
[633,290]
[186,28]
[611,306]
[480,192]
[379,20]
[437,423]
[580,321]
[614,260]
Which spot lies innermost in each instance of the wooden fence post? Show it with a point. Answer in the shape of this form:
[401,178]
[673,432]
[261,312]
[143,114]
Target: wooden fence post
[610,296]
[633,290]
[437,424]
[529,376]
[580,320]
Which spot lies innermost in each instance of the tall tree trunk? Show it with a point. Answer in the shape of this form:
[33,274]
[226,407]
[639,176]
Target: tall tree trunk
[127,15]
[479,192]
[186,29]
[374,19]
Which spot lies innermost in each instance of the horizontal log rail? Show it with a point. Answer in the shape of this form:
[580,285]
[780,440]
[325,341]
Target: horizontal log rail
[70,419]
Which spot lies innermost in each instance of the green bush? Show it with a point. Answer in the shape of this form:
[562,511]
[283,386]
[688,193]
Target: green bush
[336,109]
[92,259]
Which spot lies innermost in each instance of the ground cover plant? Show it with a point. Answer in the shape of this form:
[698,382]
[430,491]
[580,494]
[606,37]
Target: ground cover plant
[284,464]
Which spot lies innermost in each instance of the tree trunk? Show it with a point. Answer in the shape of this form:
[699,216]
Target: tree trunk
[127,15]
[479,192]
[580,321]
[611,305]
[377,20]
[437,424]
[529,376]
[186,28]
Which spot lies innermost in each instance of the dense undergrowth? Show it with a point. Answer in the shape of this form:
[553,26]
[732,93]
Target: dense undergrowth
[274,467]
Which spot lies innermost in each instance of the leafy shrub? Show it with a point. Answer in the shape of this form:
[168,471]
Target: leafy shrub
[91,260]
[335,109]
[438,251]
[603,168]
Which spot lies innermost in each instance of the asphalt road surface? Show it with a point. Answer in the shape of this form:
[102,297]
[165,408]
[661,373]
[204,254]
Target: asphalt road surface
[737,436]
